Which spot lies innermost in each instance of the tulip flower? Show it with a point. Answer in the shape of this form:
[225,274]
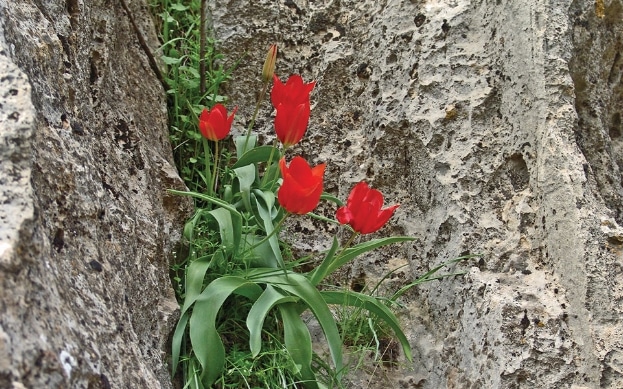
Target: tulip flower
[302,185]
[363,210]
[214,124]
[291,122]
[268,70]
[291,100]
[295,91]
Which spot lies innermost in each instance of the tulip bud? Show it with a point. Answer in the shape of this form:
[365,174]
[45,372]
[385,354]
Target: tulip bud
[228,193]
[269,64]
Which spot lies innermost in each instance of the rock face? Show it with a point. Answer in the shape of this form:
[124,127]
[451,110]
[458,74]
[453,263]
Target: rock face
[87,227]
[497,126]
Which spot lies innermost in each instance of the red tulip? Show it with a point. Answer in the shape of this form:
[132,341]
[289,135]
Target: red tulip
[291,122]
[291,100]
[302,185]
[363,210]
[295,91]
[214,123]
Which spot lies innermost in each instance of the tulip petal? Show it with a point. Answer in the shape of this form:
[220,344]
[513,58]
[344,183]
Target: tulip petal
[302,186]
[214,123]
[363,210]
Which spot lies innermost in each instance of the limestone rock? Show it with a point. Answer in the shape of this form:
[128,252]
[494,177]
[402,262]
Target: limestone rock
[86,226]
[497,126]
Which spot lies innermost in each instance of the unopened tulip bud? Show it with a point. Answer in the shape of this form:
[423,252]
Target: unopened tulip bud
[269,64]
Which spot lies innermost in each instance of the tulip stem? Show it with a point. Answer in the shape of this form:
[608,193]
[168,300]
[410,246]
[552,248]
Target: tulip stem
[257,110]
[273,232]
[269,164]
[214,181]
[208,177]
[348,243]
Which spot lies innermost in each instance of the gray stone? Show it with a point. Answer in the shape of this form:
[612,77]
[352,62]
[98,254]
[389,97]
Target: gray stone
[87,229]
[497,126]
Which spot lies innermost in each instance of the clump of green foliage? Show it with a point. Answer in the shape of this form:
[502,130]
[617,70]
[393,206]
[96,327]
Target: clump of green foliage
[178,22]
[241,295]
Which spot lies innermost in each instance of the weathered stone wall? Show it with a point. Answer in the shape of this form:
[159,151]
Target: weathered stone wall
[86,225]
[497,126]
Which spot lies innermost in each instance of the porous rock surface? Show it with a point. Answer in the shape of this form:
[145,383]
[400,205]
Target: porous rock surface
[497,126]
[86,226]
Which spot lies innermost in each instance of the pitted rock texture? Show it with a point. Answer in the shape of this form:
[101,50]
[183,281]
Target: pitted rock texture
[496,125]
[87,228]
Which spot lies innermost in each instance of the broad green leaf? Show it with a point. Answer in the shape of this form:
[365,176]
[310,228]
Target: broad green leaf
[178,7]
[265,202]
[210,199]
[261,254]
[351,253]
[254,156]
[176,342]
[272,176]
[298,342]
[189,227]
[171,60]
[243,146]
[205,339]
[373,305]
[167,18]
[299,286]
[320,272]
[194,72]
[229,231]
[255,319]
[246,178]
[195,274]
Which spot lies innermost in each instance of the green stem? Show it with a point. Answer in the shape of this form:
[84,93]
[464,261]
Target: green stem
[277,171]
[348,243]
[269,164]
[273,232]
[208,177]
[217,158]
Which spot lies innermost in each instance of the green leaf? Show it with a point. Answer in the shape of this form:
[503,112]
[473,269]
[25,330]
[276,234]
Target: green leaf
[246,178]
[230,232]
[195,274]
[205,339]
[323,218]
[326,196]
[176,342]
[254,156]
[210,199]
[171,60]
[258,312]
[244,146]
[351,253]
[299,286]
[373,305]
[261,255]
[298,342]
[319,273]
[189,227]
[178,7]
[265,202]
[428,276]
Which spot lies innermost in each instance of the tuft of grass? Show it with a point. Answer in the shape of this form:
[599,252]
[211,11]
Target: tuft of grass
[178,22]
